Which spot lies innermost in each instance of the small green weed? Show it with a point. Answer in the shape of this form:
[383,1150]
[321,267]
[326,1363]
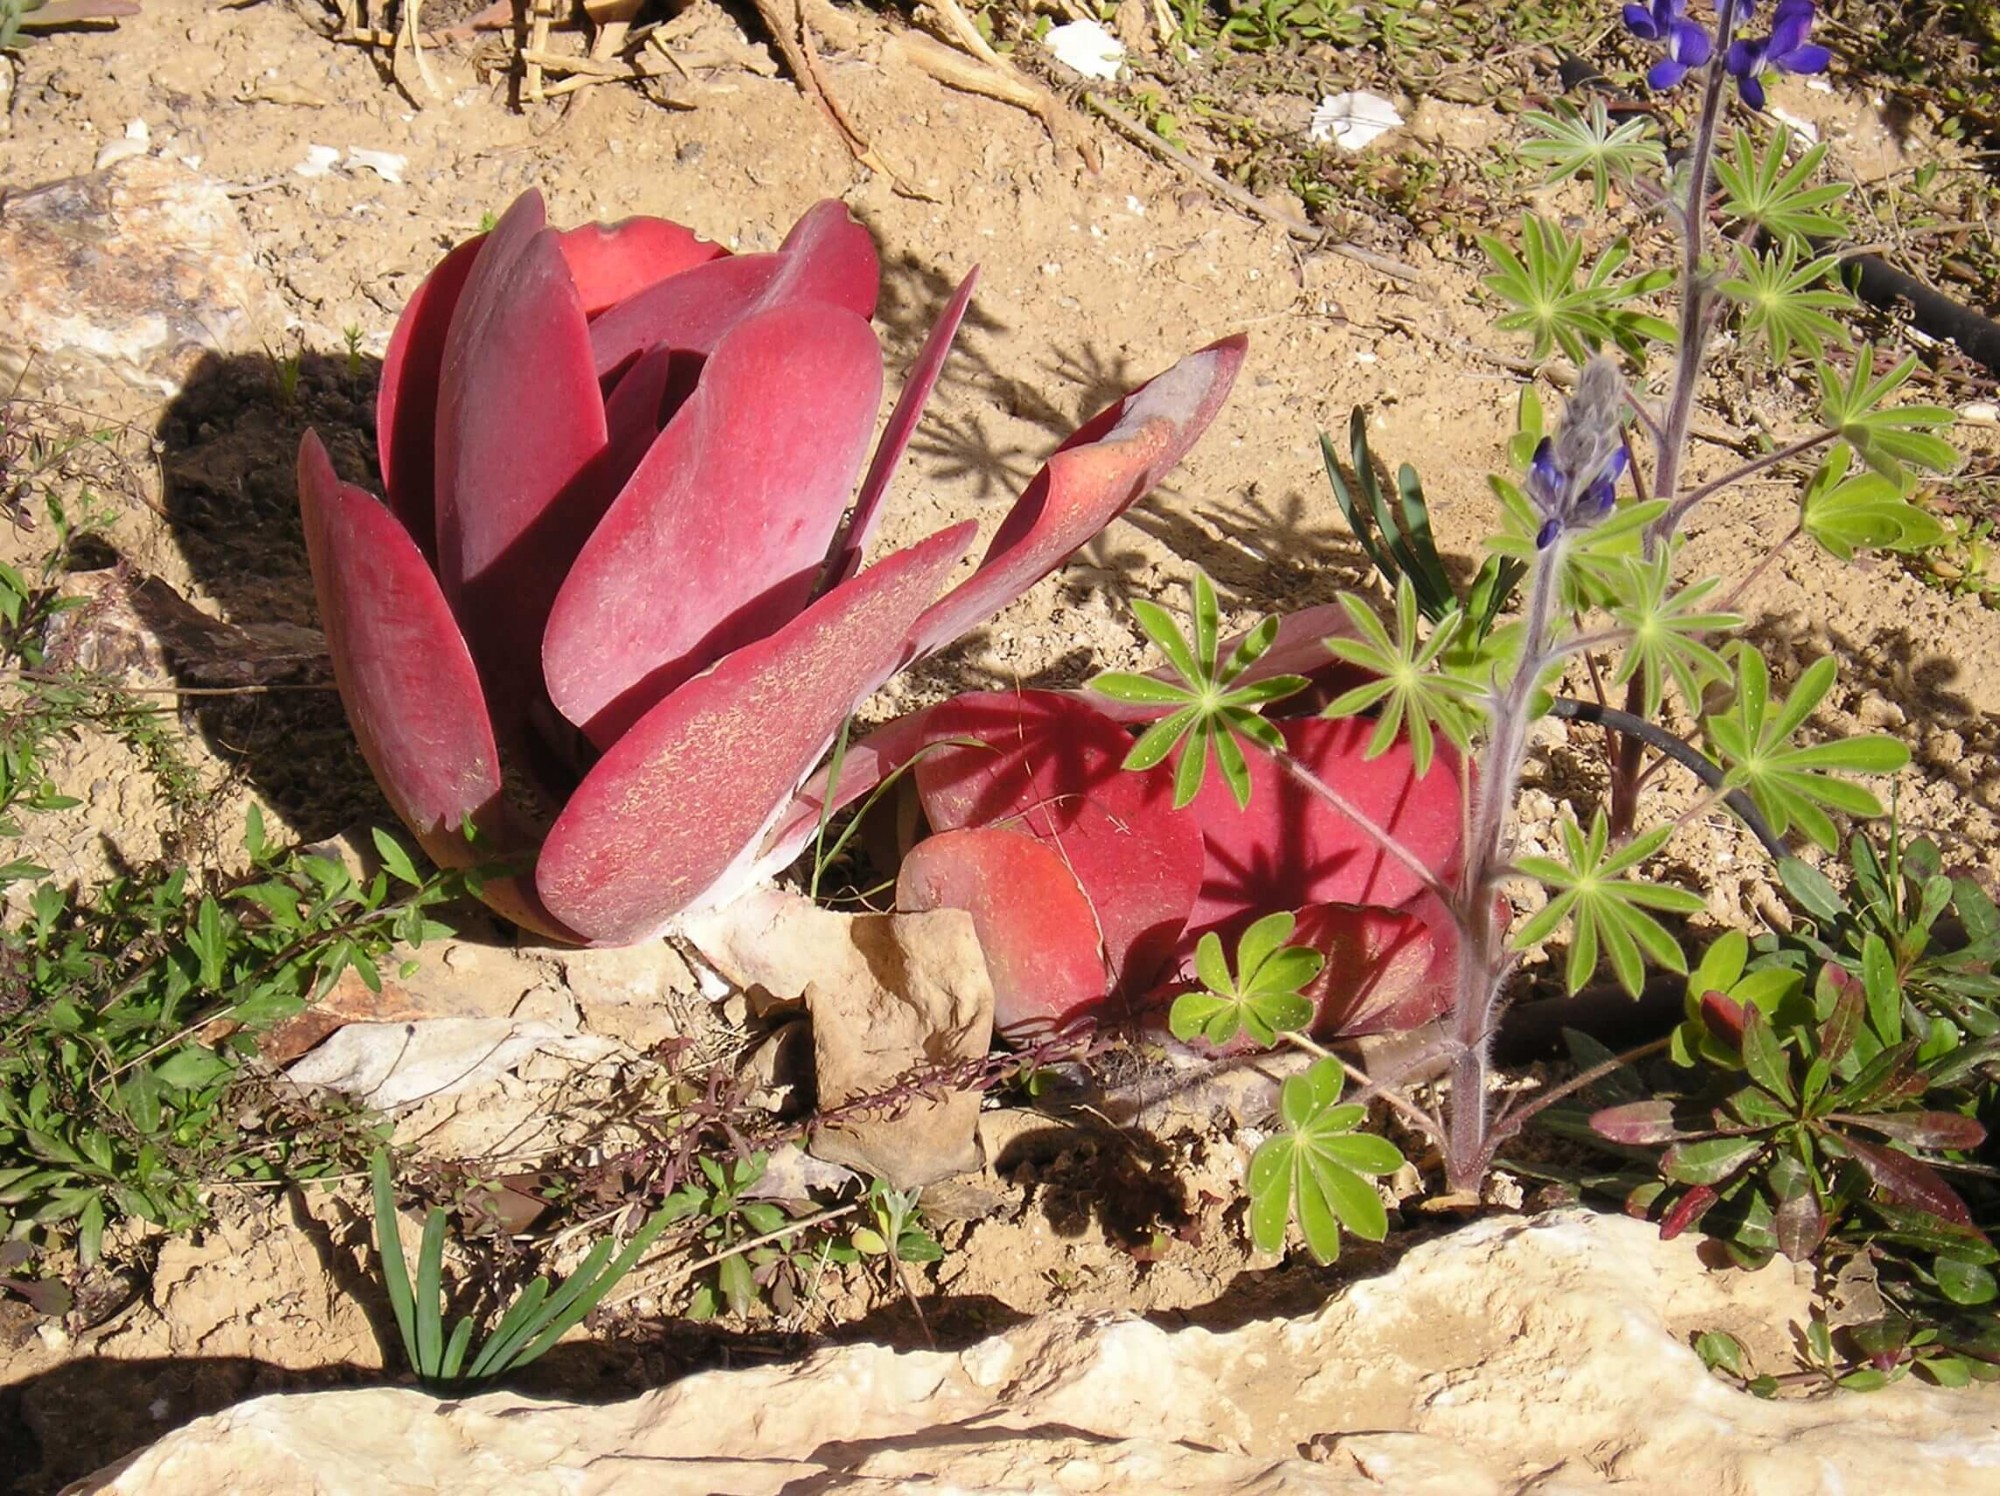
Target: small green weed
[130,1007]
[536,1319]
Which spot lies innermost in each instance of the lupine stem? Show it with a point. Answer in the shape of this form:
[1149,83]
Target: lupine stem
[1697,297]
[1482,958]
[1696,293]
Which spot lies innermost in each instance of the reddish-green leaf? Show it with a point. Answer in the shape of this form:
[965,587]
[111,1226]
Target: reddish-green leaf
[719,537]
[1709,1160]
[1910,1182]
[673,811]
[1637,1122]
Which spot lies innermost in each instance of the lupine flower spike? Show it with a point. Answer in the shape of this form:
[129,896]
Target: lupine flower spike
[1574,476]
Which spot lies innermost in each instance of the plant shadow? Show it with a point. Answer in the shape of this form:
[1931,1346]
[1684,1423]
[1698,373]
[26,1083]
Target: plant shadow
[228,445]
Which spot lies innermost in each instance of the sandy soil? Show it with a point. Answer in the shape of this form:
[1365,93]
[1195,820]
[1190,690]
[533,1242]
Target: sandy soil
[1092,279]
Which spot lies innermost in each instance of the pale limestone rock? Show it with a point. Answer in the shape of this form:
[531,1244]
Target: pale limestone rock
[889,995]
[1515,1356]
[141,268]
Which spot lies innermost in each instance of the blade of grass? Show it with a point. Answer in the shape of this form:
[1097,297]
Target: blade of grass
[430,1296]
[389,1245]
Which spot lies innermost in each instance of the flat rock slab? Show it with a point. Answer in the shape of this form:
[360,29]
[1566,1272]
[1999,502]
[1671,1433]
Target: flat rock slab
[1514,1356]
[139,269]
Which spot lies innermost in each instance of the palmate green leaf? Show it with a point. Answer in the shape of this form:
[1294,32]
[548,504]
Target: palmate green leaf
[1864,511]
[1891,439]
[1760,188]
[1667,627]
[1262,998]
[1794,785]
[1607,912]
[1785,300]
[1212,712]
[1313,1169]
[1587,145]
[1555,309]
[1411,691]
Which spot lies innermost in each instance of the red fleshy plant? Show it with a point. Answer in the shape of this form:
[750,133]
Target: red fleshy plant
[610,616]
[1089,890]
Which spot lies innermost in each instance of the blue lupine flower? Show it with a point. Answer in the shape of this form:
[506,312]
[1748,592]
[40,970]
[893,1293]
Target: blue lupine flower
[1688,44]
[1785,49]
[1566,503]
[1688,47]
[1653,22]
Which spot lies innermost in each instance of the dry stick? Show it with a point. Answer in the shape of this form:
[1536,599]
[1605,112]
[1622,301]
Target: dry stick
[407,34]
[785,20]
[1423,1121]
[539,15]
[966,34]
[1249,202]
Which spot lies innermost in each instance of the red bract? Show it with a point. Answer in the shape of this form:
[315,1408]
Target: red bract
[1086,885]
[610,616]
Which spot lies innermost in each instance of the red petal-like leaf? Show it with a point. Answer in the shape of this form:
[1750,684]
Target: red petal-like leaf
[826,257]
[1033,922]
[863,767]
[1386,970]
[1910,1182]
[1723,1015]
[845,558]
[406,405]
[632,416]
[520,429]
[1291,848]
[1691,1207]
[674,811]
[612,261]
[719,536]
[1108,465]
[1034,752]
[408,682]
[1048,766]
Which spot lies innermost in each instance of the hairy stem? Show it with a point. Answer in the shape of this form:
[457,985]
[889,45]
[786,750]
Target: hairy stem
[1482,958]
